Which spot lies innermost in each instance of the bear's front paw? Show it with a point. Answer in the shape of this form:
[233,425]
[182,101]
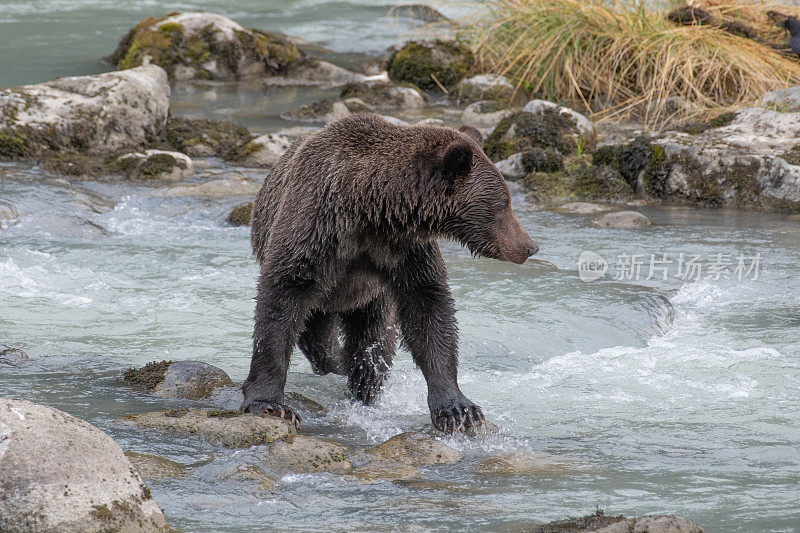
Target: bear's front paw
[275,409]
[460,414]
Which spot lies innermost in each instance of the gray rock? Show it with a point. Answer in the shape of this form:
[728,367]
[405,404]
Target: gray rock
[600,523]
[381,470]
[415,449]
[264,151]
[431,122]
[304,454]
[622,220]
[511,166]
[156,165]
[228,428]
[155,467]
[67,475]
[582,208]
[485,115]
[522,464]
[12,356]
[395,120]
[665,524]
[323,111]
[251,473]
[99,114]
[383,95]
[483,87]
[785,100]
[192,380]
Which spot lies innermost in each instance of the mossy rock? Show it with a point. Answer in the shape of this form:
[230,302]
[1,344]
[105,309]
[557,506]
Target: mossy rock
[642,163]
[205,46]
[696,127]
[523,131]
[74,164]
[419,61]
[241,214]
[380,95]
[203,137]
[539,159]
[578,182]
[147,377]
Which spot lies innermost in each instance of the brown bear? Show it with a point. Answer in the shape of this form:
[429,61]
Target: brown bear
[345,229]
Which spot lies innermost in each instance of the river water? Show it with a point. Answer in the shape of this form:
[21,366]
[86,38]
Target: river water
[676,395]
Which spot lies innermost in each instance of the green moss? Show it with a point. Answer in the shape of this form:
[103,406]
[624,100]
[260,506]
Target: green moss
[222,413]
[656,172]
[156,165]
[194,136]
[241,214]
[102,512]
[524,131]
[418,62]
[792,156]
[148,377]
[542,160]
[170,27]
[73,164]
[275,51]
[638,158]
[598,183]
[13,144]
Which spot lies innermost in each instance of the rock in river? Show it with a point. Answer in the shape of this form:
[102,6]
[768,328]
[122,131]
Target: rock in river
[60,473]
[622,219]
[304,454]
[154,466]
[209,46]
[415,449]
[228,428]
[99,114]
[419,62]
[241,214]
[192,380]
[263,151]
[12,356]
[155,165]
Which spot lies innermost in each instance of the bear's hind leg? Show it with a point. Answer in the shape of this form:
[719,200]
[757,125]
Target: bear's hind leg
[370,338]
[319,342]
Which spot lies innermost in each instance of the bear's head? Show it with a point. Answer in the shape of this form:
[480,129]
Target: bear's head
[478,210]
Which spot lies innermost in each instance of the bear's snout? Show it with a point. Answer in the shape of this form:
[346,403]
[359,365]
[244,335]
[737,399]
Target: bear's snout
[513,242]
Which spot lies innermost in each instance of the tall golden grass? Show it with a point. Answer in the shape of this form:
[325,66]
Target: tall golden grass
[754,13]
[622,59]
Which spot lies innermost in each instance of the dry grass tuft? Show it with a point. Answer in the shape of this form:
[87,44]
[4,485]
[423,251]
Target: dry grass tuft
[625,60]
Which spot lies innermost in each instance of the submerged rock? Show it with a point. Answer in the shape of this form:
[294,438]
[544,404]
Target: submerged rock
[99,114]
[324,111]
[263,151]
[12,356]
[63,474]
[228,428]
[251,473]
[415,449]
[491,87]
[622,220]
[209,46]
[380,470]
[155,467]
[232,185]
[241,214]
[582,208]
[74,164]
[520,464]
[421,12]
[192,380]
[600,523]
[8,213]
[304,454]
[202,137]
[155,165]
[419,62]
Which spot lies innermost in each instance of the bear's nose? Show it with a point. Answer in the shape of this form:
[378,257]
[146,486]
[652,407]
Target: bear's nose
[532,248]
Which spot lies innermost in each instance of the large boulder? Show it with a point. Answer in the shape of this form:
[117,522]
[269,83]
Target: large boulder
[60,473]
[622,220]
[98,114]
[231,429]
[749,159]
[419,62]
[210,46]
[193,380]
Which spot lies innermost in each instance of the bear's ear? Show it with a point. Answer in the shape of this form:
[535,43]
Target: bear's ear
[455,160]
[472,133]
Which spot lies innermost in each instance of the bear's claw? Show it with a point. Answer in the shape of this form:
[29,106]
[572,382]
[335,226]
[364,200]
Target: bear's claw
[274,409]
[459,418]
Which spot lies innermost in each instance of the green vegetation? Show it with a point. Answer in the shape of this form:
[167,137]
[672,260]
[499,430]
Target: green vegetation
[523,131]
[148,377]
[628,58]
